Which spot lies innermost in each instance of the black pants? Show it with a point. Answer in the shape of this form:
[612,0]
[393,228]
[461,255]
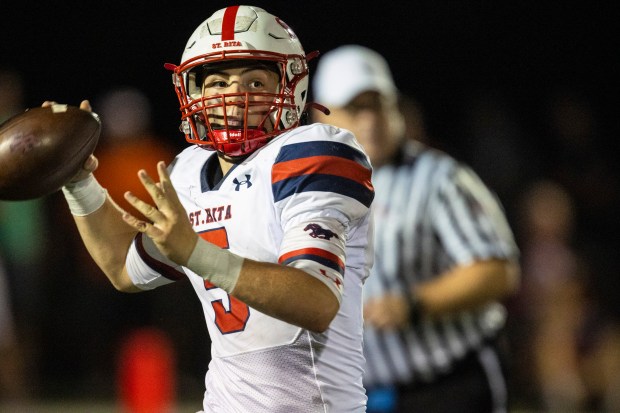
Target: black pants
[475,385]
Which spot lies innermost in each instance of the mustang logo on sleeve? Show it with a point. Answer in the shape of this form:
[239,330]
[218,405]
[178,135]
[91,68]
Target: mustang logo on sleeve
[317,231]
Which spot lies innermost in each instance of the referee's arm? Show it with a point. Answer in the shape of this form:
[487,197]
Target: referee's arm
[467,287]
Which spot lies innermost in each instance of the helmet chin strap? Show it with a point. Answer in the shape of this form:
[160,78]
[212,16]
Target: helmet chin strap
[317,106]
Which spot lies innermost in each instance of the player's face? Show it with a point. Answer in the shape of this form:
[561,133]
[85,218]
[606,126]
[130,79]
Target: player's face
[374,120]
[261,84]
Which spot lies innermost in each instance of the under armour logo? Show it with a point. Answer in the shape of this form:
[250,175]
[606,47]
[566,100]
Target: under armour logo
[317,231]
[247,182]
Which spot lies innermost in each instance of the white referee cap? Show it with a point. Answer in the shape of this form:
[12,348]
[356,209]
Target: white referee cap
[347,71]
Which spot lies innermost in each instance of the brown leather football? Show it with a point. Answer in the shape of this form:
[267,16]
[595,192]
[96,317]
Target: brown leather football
[42,148]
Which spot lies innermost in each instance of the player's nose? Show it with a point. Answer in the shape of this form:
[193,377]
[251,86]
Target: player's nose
[234,87]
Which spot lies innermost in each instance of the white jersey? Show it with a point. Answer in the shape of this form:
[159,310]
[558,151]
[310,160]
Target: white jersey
[301,200]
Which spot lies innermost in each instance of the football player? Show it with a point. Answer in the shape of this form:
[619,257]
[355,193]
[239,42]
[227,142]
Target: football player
[267,218]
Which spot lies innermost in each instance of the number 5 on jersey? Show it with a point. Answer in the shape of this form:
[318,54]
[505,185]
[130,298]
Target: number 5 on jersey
[236,317]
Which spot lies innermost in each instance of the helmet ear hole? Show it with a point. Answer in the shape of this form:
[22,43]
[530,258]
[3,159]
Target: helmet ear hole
[297,67]
[291,116]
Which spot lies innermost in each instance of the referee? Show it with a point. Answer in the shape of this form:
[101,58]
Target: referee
[444,255]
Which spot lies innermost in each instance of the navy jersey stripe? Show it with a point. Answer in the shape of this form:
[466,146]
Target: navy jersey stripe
[158,266]
[316,258]
[322,183]
[321,148]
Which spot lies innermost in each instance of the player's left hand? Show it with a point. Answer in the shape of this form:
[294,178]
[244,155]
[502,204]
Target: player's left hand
[388,312]
[169,227]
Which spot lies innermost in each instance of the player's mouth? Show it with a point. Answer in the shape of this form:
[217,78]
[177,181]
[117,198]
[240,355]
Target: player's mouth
[234,122]
[218,122]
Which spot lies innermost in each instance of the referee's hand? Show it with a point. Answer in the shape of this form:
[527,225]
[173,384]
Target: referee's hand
[388,312]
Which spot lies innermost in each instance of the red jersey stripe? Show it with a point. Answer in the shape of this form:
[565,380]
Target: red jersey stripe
[312,251]
[328,165]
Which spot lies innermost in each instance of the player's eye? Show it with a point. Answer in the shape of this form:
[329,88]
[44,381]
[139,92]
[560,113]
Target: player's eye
[256,84]
[216,84]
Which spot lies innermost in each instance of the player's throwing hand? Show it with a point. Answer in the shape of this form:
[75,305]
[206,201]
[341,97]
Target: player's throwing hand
[169,227]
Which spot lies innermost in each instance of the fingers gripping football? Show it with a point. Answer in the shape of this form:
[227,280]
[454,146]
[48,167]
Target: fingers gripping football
[91,163]
[169,227]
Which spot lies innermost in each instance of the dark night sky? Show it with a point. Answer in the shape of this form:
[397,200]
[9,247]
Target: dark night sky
[440,51]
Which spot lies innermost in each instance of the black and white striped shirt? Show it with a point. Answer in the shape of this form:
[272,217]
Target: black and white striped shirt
[431,214]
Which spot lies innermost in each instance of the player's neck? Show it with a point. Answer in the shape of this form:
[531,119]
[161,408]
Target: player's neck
[225,164]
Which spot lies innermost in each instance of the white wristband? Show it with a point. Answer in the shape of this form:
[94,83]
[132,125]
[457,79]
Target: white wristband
[84,197]
[216,265]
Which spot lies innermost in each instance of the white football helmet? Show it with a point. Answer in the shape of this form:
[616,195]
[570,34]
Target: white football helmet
[234,36]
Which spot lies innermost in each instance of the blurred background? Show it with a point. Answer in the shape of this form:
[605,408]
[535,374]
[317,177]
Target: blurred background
[525,92]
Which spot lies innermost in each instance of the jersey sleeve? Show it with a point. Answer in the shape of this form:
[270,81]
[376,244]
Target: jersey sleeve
[469,219]
[318,247]
[321,184]
[147,267]
[322,168]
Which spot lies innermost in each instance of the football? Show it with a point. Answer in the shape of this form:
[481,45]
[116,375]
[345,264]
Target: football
[42,148]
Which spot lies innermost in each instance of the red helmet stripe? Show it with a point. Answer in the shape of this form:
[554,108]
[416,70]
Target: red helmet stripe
[228,25]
